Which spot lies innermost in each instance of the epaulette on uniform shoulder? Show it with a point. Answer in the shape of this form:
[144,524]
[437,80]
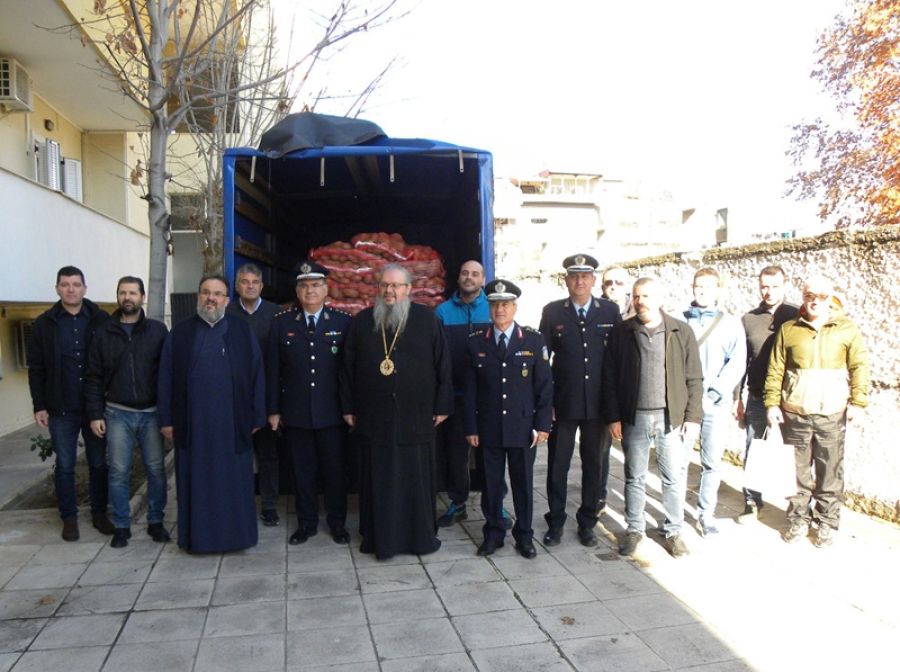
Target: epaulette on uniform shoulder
[339,311]
[532,330]
[286,311]
[477,332]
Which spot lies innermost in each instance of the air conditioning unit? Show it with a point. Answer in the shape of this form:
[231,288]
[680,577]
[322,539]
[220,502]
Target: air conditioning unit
[71,178]
[15,86]
[23,337]
[47,163]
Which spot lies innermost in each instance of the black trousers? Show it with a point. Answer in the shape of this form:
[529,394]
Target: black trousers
[267,467]
[317,456]
[453,464]
[521,476]
[593,449]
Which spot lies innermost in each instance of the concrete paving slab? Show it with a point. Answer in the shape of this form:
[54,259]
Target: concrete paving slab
[650,611]
[137,549]
[30,603]
[386,579]
[87,600]
[458,549]
[6,573]
[319,560]
[451,662]
[176,656]
[175,594]
[478,598]
[7,660]
[249,589]
[582,560]
[686,645]
[361,559]
[245,619]
[429,636]
[185,567]
[17,634]
[35,577]
[322,584]
[325,612]
[347,667]
[331,646]
[86,659]
[575,621]
[620,580]
[130,570]
[476,570]
[72,631]
[549,591]
[403,605]
[500,628]
[165,625]
[254,653]
[66,553]
[526,658]
[248,565]
[17,555]
[612,653]
[516,567]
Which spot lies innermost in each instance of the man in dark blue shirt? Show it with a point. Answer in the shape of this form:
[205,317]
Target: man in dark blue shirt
[57,357]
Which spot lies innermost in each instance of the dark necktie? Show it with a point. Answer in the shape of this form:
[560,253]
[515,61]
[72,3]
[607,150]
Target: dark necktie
[581,314]
[311,323]
[501,345]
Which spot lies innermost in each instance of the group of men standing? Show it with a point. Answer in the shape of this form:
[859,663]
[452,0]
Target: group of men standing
[226,382]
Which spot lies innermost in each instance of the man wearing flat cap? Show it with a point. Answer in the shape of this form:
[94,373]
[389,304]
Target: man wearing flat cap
[575,330]
[304,355]
[508,407]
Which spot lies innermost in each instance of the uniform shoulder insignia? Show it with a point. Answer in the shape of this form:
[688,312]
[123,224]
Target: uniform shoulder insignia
[531,329]
[286,311]
[477,332]
[338,311]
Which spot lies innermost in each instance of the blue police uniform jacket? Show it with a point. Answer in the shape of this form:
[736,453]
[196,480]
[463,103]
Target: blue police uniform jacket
[577,350]
[302,369]
[507,398]
[460,319]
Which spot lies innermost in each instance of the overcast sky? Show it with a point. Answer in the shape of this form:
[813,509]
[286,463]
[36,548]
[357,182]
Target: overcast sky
[694,96]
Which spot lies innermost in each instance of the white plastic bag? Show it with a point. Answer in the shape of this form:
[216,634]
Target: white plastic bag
[770,467]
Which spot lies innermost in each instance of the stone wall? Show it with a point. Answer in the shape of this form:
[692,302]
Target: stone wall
[865,264]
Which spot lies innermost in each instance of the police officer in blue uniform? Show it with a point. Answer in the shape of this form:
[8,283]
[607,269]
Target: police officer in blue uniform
[508,408]
[575,330]
[304,352]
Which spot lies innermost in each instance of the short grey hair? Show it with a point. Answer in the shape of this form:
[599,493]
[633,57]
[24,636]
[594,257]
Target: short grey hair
[249,269]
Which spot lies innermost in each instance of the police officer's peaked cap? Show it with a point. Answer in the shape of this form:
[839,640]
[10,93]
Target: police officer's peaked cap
[310,270]
[502,290]
[580,263]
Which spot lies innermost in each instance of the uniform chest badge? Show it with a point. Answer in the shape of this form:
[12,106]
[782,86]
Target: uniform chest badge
[334,349]
[524,371]
[482,354]
[291,334]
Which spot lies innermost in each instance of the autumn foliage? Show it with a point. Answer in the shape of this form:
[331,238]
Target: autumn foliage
[853,168]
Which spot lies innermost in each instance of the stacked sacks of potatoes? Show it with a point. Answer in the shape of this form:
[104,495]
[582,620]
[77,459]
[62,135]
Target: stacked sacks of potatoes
[354,266]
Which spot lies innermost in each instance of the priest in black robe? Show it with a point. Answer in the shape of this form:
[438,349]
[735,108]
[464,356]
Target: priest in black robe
[211,401]
[396,387]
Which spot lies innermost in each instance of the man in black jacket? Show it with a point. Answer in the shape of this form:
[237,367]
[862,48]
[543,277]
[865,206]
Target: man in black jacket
[120,398]
[57,355]
[575,330]
[652,394]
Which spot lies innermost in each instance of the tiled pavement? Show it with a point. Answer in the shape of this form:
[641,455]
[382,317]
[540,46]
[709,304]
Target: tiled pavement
[745,601]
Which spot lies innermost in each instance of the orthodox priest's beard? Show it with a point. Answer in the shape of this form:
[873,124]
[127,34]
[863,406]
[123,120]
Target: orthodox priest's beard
[390,317]
[210,313]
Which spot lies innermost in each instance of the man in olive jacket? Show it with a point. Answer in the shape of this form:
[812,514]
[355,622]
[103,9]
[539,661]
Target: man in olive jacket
[818,380]
[652,394]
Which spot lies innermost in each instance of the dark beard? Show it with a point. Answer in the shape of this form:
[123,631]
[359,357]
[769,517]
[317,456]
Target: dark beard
[390,318]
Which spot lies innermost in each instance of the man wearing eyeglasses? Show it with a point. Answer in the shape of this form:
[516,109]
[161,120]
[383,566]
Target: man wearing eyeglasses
[615,286]
[304,351]
[396,387]
[818,380]
[211,401]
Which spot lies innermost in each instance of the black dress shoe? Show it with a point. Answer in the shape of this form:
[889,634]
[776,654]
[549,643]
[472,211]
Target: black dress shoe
[269,517]
[553,536]
[301,535]
[526,550]
[488,546]
[101,523]
[587,537]
[340,535]
[120,537]
[158,533]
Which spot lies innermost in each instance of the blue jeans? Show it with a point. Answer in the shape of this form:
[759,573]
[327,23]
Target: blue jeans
[672,457]
[64,430]
[123,430]
[755,423]
[713,434]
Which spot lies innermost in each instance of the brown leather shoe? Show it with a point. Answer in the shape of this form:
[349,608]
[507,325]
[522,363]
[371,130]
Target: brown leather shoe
[70,530]
[101,523]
